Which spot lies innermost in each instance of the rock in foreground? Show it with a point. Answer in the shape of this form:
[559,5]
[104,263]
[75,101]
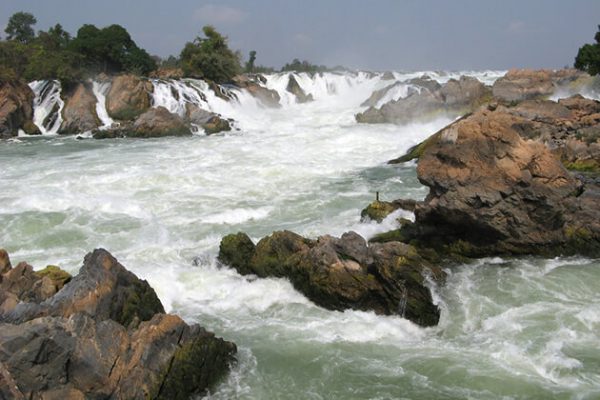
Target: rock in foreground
[342,273]
[102,335]
[494,192]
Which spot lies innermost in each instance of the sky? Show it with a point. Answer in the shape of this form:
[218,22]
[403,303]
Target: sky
[367,34]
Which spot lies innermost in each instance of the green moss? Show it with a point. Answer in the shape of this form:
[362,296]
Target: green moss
[417,151]
[57,275]
[236,250]
[378,210]
[396,235]
[126,114]
[196,367]
[588,165]
[141,303]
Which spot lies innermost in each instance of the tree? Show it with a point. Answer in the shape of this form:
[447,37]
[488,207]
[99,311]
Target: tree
[588,56]
[20,27]
[250,64]
[55,39]
[210,57]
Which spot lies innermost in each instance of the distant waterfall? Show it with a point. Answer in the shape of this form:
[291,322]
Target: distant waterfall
[100,91]
[47,106]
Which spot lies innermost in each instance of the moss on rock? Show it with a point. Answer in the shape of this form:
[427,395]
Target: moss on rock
[58,276]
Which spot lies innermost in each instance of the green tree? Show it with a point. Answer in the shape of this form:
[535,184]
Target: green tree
[55,39]
[252,59]
[20,27]
[210,57]
[14,58]
[588,56]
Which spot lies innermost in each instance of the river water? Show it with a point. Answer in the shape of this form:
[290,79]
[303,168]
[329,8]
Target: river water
[524,328]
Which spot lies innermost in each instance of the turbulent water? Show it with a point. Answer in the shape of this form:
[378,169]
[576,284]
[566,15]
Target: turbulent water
[519,328]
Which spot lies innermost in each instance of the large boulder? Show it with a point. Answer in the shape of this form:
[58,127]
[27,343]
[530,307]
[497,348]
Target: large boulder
[526,84]
[156,122]
[79,113]
[294,88]
[209,121]
[494,192]
[16,109]
[104,335]
[267,97]
[342,273]
[452,99]
[128,97]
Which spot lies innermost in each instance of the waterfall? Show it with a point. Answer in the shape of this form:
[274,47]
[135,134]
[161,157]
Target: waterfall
[100,91]
[47,106]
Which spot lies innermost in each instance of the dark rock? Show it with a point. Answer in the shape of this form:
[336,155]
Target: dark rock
[79,113]
[251,83]
[525,84]
[156,122]
[295,88]
[209,121]
[87,341]
[128,97]
[16,109]
[342,273]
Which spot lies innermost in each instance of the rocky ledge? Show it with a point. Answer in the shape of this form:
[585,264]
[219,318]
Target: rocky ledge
[342,273]
[498,186]
[101,334]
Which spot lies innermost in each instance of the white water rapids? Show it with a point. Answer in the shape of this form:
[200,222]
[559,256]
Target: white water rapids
[518,328]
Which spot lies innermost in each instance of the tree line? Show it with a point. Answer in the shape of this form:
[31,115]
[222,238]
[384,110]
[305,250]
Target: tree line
[56,54]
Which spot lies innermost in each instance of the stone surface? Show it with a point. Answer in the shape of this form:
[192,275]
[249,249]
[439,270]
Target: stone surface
[494,192]
[251,83]
[16,109]
[79,113]
[103,335]
[295,88]
[454,98]
[525,84]
[156,122]
[342,273]
[128,97]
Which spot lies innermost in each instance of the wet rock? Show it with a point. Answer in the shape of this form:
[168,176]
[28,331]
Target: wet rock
[454,98]
[128,97]
[492,192]
[156,122]
[525,84]
[342,273]
[251,83]
[104,335]
[295,88]
[79,113]
[378,95]
[16,109]
[377,211]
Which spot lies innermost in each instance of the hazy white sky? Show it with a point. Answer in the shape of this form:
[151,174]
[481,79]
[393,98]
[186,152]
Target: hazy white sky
[373,34]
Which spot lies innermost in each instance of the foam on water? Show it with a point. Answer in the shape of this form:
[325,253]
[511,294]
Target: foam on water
[510,328]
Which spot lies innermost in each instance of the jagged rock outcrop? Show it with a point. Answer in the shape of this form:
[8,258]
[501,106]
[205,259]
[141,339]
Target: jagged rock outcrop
[103,335]
[79,113]
[16,109]
[209,121]
[156,122]
[494,192]
[526,84]
[128,97]
[378,210]
[267,97]
[294,88]
[452,99]
[342,273]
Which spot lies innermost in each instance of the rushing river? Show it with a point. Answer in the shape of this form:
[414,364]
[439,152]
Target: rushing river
[510,328]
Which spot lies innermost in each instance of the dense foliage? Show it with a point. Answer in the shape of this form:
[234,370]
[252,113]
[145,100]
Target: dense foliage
[588,56]
[303,66]
[210,57]
[20,27]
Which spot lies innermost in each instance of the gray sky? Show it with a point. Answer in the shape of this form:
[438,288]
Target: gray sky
[374,34]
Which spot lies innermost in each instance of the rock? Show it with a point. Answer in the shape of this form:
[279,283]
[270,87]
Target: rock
[344,273]
[215,125]
[5,264]
[492,192]
[16,109]
[425,82]
[454,98]
[295,88]
[156,122]
[268,97]
[167,73]
[209,121]
[128,97]
[388,76]
[104,335]
[79,113]
[378,95]
[525,84]
[220,91]
[377,211]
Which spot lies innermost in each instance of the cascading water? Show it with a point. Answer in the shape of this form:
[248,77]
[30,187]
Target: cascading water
[100,90]
[516,328]
[47,106]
